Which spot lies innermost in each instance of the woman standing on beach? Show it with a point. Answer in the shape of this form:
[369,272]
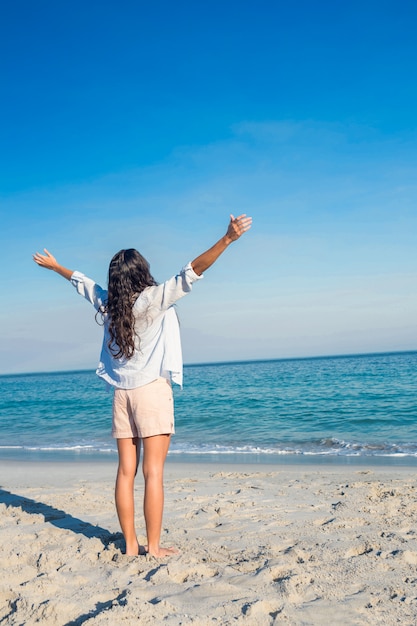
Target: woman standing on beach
[140,356]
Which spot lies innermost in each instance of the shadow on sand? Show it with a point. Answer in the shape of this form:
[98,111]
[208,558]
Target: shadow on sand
[60,519]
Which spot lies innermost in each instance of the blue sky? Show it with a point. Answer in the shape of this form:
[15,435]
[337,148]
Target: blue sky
[138,124]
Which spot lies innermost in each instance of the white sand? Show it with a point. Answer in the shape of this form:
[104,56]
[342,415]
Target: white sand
[305,544]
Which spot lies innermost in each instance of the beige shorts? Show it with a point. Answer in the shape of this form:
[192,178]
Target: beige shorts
[144,411]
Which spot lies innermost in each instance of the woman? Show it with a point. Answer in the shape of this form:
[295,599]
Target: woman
[140,356]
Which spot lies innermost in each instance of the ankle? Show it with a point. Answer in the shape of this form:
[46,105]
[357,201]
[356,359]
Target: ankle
[132,548]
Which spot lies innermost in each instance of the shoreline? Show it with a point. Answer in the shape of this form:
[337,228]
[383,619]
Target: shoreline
[212,459]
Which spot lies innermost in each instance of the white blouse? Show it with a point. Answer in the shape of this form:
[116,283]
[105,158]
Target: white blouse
[157,345]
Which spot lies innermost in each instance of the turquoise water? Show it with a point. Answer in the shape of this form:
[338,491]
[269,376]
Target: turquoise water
[264,411]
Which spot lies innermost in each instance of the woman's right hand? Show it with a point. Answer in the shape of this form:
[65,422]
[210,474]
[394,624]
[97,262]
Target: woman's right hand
[238,226]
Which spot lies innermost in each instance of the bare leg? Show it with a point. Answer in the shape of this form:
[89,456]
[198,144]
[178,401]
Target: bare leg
[155,450]
[129,453]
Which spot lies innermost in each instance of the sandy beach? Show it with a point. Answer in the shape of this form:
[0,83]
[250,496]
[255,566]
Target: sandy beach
[261,545]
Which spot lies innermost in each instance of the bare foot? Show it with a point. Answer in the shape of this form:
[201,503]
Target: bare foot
[160,553]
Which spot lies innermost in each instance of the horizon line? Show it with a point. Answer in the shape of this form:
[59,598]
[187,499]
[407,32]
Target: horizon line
[234,362]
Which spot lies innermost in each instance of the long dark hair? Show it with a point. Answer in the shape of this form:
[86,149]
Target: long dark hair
[129,275]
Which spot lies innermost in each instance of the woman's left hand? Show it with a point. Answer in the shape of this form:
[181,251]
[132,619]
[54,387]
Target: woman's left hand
[47,260]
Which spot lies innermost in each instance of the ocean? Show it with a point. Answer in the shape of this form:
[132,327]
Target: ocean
[330,409]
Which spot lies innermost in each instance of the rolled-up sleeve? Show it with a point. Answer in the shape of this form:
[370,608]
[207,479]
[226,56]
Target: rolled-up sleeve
[165,295]
[87,288]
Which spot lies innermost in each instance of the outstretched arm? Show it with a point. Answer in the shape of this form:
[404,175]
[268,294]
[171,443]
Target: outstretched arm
[49,262]
[236,228]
